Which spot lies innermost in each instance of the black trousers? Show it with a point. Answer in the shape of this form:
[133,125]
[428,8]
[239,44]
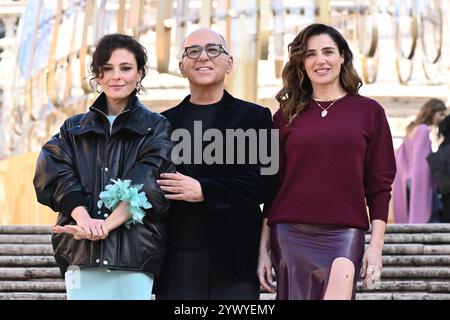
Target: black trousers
[445,208]
[195,275]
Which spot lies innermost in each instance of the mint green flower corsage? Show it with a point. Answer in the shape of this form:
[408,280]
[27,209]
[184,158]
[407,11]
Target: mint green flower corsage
[124,191]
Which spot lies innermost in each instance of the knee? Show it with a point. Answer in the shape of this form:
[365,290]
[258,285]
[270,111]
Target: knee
[342,269]
[340,281]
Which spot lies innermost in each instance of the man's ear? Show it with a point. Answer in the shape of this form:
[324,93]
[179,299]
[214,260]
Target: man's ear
[181,67]
[229,65]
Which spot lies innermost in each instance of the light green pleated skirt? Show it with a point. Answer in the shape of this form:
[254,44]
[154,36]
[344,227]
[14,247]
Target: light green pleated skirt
[103,284]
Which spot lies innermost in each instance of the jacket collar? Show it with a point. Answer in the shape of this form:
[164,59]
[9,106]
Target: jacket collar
[226,100]
[226,105]
[131,118]
[100,106]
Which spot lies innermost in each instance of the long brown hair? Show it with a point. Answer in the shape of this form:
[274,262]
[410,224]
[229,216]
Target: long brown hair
[296,92]
[427,113]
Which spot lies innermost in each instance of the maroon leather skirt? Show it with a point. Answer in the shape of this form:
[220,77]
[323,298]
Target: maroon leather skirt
[303,254]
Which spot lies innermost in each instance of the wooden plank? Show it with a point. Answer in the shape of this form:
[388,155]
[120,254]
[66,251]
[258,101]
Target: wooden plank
[18,203]
[163,35]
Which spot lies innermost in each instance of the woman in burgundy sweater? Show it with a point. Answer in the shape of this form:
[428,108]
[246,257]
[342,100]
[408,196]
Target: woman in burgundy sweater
[336,158]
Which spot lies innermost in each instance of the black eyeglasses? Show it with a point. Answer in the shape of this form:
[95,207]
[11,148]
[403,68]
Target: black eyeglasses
[212,50]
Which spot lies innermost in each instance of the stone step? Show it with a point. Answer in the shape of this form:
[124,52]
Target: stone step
[389,249]
[28,273]
[403,296]
[32,296]
[418,228]
[264,296]
[415,273]
[267,296]
[416,249]
[25,229]
[427,285]
[416,260]
[407,286]
[388,260]
[394,266]
[387,286]
[389,238]
[391,228]
[25,239]
[26,249]
[397,238]
[415,238]
[401,260]
[385,296]
[27,261]
[32,286]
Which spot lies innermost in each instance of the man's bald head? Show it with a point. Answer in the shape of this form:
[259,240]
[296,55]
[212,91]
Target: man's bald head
[205,72]
[206,35]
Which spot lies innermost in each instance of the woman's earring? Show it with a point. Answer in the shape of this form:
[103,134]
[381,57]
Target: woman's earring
[97,85]
[138,87]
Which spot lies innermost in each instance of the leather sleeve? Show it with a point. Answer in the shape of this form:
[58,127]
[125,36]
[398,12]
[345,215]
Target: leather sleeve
[154,159]
[56,180]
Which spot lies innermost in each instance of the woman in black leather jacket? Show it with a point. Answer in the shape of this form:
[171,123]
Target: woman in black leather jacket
[100,174]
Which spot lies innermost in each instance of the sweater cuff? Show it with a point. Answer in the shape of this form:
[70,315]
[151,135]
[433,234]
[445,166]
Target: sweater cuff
[70,202]
[379,211]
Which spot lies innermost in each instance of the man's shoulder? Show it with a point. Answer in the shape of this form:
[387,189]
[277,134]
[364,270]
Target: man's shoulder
[246,110]
[171,111]
[244,104]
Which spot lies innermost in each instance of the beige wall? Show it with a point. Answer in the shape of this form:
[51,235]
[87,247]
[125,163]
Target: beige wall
[18,204]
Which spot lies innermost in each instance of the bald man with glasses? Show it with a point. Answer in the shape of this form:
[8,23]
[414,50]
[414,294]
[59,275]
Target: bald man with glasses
[215,219]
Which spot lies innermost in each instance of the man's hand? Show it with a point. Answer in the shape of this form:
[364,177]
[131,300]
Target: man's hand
[264,272]
[181,187]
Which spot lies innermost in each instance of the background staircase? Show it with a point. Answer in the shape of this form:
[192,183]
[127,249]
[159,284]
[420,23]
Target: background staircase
[27,267]
[416,264]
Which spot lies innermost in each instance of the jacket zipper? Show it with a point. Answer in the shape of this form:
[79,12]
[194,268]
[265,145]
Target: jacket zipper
[102,184]
[110,125]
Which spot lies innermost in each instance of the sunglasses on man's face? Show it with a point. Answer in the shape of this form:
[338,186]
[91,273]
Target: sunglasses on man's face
[212,50]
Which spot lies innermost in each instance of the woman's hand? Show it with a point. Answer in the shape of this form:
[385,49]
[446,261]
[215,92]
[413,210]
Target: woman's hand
[75,230]
[264,271]
[372,260]
[371,266]
[93,229]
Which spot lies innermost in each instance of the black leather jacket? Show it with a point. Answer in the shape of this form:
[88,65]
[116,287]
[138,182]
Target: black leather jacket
[76,165]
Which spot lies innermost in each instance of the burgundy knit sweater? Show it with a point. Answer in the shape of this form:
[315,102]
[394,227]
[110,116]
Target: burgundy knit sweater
[331,167]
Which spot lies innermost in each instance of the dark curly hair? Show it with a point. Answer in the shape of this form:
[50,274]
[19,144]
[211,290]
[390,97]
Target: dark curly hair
[296,92]
[110,42]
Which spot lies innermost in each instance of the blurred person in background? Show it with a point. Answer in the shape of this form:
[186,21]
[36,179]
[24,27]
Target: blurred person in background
[440,168]
[414,196]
